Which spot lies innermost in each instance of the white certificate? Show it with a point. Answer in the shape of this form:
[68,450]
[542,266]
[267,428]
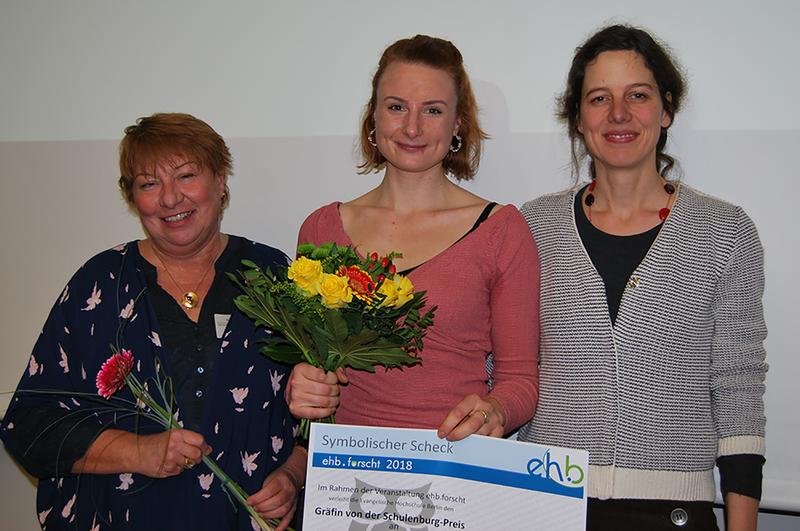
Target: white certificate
[375,479]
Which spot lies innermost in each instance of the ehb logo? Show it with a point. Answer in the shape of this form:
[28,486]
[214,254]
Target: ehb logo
[562,472]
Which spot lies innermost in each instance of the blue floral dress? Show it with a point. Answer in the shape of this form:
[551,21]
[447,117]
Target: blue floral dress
[246,420]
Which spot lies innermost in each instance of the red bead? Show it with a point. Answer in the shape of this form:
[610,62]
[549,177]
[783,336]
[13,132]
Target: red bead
[663,213]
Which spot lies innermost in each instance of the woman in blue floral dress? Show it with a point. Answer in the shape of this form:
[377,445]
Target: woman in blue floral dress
[166,299]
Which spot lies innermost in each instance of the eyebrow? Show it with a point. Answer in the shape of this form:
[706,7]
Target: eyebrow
[429,102]
[178,167]
[629,87]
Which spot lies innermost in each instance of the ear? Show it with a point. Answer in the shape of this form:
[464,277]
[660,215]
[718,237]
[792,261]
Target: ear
[666,119]
[456,126]
[221,181]
[579,125]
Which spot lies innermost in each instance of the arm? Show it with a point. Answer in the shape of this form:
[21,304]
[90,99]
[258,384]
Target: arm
[741,512]
[514,306]
[515,323]
[738,369]
[278,496]
[157,456]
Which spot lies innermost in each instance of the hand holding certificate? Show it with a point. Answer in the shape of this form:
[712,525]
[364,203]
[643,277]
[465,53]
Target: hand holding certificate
[362,478]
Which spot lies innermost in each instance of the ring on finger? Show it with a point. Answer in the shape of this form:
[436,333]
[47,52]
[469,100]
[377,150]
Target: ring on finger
[187,463]
[485,415]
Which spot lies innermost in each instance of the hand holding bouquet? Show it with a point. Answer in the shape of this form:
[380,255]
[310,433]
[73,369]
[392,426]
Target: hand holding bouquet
[332,308]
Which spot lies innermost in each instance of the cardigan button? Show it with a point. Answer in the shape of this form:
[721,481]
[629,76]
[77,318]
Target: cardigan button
[679,517]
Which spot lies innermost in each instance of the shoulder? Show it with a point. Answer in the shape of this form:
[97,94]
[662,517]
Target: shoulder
[108,264]
[323,214]
[723,218]
[546,205]
[262,254]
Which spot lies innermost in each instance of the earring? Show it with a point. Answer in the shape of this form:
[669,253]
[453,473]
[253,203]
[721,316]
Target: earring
[370,138]
[455,148]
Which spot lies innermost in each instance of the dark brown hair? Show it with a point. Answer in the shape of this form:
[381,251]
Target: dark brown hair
[161,136]
[657,58]
[442,55]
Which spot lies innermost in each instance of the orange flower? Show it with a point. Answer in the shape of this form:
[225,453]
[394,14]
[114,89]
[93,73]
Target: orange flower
[360,282]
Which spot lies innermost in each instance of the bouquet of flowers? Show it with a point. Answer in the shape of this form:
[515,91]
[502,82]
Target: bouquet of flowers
[116,373]
[332,308]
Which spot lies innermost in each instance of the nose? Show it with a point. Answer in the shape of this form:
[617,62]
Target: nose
[171,194]
[619,111]
[413,125]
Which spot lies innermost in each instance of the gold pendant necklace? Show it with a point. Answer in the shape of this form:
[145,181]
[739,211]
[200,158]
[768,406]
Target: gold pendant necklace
[190,299]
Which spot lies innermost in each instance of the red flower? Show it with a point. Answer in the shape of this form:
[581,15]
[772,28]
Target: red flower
[360,281]
[113,373]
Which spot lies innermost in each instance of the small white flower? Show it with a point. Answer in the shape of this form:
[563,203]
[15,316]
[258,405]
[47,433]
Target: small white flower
[277,444]
[239,394]
[93,300]
[275,379]
[155,339]
[205,480]
[64,363]
[248,462]
[125,481]
[43,515]
[65,512]
[127,311]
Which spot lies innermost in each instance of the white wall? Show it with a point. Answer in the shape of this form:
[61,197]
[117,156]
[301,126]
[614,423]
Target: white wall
[285,84]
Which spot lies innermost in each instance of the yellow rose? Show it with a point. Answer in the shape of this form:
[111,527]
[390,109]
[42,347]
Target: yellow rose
[405,290]
[307,274]
[335,290]
[388,288]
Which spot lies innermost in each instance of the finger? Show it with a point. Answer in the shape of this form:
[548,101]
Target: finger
[457,415]
[306,372]
[341,375]
[471,424]
[286,520]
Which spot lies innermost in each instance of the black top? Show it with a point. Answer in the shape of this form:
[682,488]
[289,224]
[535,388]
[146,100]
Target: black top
[616,258]
[193,346]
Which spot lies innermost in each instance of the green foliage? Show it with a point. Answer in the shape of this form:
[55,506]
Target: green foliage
[361,335]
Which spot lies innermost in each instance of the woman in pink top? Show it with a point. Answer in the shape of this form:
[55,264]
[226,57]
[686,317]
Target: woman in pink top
[476,260]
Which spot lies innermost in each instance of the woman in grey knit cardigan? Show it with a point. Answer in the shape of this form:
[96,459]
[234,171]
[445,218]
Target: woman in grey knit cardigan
[651,321]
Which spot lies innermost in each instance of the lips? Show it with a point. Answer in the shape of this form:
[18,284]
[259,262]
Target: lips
[178,217]
[621,137]
[411,147]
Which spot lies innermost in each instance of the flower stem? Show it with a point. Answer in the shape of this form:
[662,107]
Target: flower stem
[237,491]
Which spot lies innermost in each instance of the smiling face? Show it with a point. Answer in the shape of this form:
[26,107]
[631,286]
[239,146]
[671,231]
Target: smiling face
[179,203]
[621,114]
[415,117]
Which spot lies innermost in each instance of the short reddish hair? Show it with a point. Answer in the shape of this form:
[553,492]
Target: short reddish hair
[160,137]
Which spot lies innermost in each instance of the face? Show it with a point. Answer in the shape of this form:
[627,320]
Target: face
[179,203]
[415,117]
[621,114]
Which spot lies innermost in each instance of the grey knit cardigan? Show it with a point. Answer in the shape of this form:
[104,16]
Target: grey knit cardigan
[679,378]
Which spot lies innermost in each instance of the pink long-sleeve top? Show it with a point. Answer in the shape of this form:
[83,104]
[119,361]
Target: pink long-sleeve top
[486,289]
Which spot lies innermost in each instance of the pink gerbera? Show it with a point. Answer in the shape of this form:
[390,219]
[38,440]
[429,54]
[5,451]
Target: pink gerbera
[113,373]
